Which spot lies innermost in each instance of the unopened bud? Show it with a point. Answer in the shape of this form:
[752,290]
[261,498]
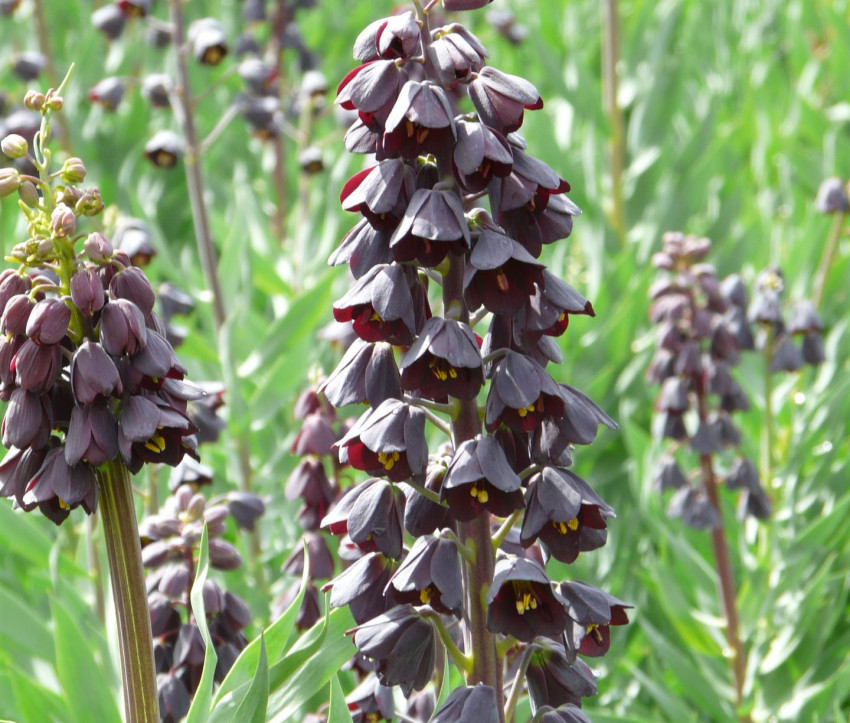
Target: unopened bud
[89,203]
[34,100]
[55,102]
[98,248]
[10,181]
[63,222]
[73,171]
[29,194]
[14,146]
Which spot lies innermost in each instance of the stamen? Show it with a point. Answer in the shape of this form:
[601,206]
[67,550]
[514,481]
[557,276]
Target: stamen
[409,127]
[388,459]
[480,494]
[422,134]
[502,281]
[425,594]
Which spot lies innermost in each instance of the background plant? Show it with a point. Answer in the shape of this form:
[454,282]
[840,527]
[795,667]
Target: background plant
[728,134]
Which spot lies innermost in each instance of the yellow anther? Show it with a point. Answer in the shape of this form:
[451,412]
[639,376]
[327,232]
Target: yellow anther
[64,505]
[562,316]
[593,632]
[388,459]
[453,372]
[156,443]
[375,316]
[409,127]
[479,493]
[502,281]
[422,134]
[564,527]
[524,411]
[425,595]
[526,602]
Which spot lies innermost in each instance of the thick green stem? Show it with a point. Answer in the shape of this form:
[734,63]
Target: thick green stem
[118,511]
[617,139]
[828,255]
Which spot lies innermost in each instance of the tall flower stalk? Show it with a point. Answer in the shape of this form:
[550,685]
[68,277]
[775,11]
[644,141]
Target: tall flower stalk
[455,200]
[94,389]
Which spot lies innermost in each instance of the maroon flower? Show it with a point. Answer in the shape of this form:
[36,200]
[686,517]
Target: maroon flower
[432,226]
[521,395]
[366,373]
[480,154]
[388,440]
[444,361]
[501,99]
[522,601]
[480,478]
[420,122]
[592,612]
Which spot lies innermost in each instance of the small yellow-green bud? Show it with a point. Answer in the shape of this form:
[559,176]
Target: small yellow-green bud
[34,100]
[73,171]
[55,102]
[63,221]
[90,203]
[10,181]
[29,194]
[14,146]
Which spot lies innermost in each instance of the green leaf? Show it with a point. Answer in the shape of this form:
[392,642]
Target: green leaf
[82,677]
[21,628]
[252,709]
[200,709]
[338,710]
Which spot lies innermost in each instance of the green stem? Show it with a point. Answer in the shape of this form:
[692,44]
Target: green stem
[828,255]
[516,688]
[617,144]
[506,527]
[463,662]
[123,550]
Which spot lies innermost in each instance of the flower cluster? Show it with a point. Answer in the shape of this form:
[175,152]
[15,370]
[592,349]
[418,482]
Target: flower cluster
[703,324]
[170,540]
[85,365]
[450,542]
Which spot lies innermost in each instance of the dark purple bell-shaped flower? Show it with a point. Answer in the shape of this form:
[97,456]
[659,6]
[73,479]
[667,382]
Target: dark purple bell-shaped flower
[553,680]
[522,601]
[310,482]
[403,645]
[444,361]
[363,248]
[122,328]
[371,86]
[592,612]
[380,306]
[92,435]
[421,121]
[480,154]
[548,310]
[87,292]
[394,37]
[501,99]
[469,705]
[371,513]
[93,374]
[567,713]
[432,226]
[456,52]
[381,193]
[36,366]
[69,486]
[27,421]
[501,274]
[361,587]
[48,322]
[430,575]
[366,373]
[521,395]
[17,469]
[389,440]
[564,513]
[480,478]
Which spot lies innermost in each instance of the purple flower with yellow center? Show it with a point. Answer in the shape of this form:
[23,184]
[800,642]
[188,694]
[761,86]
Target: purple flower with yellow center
[381,193]
[549,307]
[564,513]
[430,575]
[371,87]
[388,441]
[93,374]
[522,394]
[480,479]
[380,306]
[501,274]
[150,430]
[432,226]
[592,611]
[522,601]
[362,248]
[420,122]
[444,361]
[58,487]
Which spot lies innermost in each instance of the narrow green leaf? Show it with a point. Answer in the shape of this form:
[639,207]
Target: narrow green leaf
[200,709]
[252,709]
[79,673]
[20,628]
[338,710]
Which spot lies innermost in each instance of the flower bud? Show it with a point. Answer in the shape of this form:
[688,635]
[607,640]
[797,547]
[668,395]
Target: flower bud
[16,314]
[98,248]
[48,321]
[73,171]
[63,222]
[87,292]
[156,88]
[310,161]
[122,328]
[34,100]
[28,194]
[89,203]
[108,92]
[55,102]
[14,146]
[209,44]
[109,20]
[10,181]
[28,65]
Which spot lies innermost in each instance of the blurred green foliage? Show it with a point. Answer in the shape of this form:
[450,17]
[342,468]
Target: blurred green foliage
[735,111]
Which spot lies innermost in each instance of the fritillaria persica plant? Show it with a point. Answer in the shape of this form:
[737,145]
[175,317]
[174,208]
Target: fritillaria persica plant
[455,213]
[94,388]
